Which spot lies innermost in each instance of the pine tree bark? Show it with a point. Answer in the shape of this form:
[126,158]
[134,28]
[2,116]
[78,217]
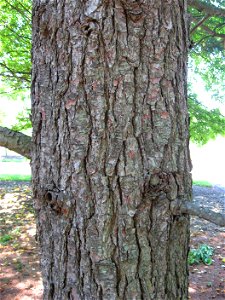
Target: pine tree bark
[111,148]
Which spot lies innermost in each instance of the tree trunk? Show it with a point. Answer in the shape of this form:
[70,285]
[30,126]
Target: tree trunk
[111,148]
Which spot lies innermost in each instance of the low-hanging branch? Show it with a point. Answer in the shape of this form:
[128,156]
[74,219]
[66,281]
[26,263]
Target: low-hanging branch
[209,9]
[15,73]
[19,10]
[199,23]
[15,141]
[187,207]
[213,32]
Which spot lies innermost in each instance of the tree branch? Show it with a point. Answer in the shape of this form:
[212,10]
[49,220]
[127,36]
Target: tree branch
[14,72]
[19,10]
[199,23]
[212,32]
[187,207]
[207,8]
[15,141]
[23,37]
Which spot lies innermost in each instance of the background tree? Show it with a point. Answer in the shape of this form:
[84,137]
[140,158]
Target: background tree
[206,58]
[15,60]
[208,43]
[15,47]
[205,124]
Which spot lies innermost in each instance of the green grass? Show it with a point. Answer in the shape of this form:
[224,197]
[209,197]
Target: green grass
[5,239]
[14,177]
[18,177]
[202,183]
[17,160]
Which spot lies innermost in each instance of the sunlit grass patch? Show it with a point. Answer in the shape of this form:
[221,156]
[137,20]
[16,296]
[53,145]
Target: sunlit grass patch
[15,159]
[5,239]
[202,183]
[14,177]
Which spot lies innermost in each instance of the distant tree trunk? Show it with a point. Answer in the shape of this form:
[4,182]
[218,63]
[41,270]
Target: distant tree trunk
[111,148]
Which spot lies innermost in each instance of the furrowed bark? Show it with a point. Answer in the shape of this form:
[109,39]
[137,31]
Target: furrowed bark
[193,209]
[110,121]
[15,141]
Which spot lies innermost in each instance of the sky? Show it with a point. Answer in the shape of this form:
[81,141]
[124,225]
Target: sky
[11,107]
[209,161]
[204,96]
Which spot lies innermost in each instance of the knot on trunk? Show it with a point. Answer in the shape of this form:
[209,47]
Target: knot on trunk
[58,201]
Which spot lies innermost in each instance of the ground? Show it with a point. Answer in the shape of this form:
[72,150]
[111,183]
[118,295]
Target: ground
[208,282]
[20,277]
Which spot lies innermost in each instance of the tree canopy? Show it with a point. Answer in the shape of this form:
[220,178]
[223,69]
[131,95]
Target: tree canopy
[206,58]
[208,43]
[15,44]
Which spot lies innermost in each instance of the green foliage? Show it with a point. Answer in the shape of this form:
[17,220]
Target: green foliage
[204,124]
[23,121]
[207,53]
[9,237]
[202,254]
[5,239]
[15,45]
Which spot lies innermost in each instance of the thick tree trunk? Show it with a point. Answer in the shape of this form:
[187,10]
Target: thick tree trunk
[111,148]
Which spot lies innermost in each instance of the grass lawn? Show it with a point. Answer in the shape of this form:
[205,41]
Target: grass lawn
[15,171]
[19,160]
[23,172]
[21,177]
[202,183]
[14,177]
